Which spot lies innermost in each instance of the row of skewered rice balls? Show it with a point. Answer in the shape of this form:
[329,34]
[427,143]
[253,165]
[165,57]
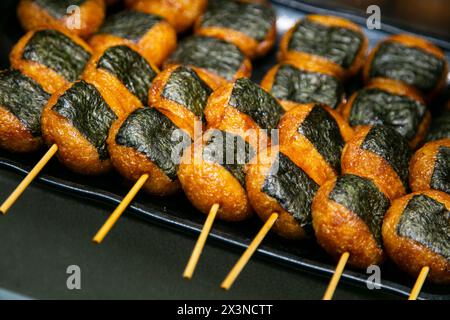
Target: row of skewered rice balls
[93,102]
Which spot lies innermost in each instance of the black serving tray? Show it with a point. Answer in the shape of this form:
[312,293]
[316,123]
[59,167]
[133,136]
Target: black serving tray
[176,212]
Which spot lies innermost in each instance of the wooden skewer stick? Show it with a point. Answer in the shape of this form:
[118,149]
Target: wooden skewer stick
[195,256]
[28,179]
[336,276]
[101,234]
[419,283]
[242,262]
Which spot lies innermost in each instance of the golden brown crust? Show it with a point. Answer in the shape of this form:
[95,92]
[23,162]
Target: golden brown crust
[156,45]
[32,16]
[422,165]
[14,136]
[74,150]
[264,205]
[132,165]
[369,165]
[397,88]
[340,230]
[109,85]
[207,183]
[181,14]
[49,80]
[307,64]
[409,255]
[411,41]
[288,55]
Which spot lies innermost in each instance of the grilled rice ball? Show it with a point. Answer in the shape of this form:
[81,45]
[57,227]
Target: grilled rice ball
[181,94]
[212,172]
[430,167]
[347,216]
[141,143]
[149,34]
[77,118]
[440,127]
[223,62]
[181,14]
[416,234]
[389,102]
[53,58]
[313,136]
[276,185]
[36,14]
[249,24]
[304,81]
[381,154]
[332,41]
[21,104]
[122,72]
[411,60]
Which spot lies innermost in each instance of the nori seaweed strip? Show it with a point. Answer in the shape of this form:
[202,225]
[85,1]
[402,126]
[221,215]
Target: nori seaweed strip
[375,106]
[408,64]
[392,147]
[253,19]
[24,98]
[302,86]
[186,88]
[58,52]
[58,8]
[230,151]
[251,99]
[439,128]
[131,25]
[427,222]
[214,55]
[292,188]
[130,68]
[362,197]
[440,180]
[322,130]
[340,45]
[151,133]
[84,107]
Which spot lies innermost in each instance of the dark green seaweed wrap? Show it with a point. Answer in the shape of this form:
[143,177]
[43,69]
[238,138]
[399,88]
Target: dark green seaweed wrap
[24,98]
[375,106]
[186,88]
[322,130]
[217,56]
[439,128]
[152,134]
[135,73]
[338,44]
[251,99]
[130,25]
[292,188]
[392,147]
[303,86]
[362,197]
[58,8]
[58,52]
[411,65]
[440,179]
[426,221]
[84,107]
[253,19]
[230,151]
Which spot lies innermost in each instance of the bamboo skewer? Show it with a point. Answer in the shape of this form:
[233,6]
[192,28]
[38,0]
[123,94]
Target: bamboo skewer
[28,180]
[419,283]
[101,234]
[242,262]
[336,276]
[195,256]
